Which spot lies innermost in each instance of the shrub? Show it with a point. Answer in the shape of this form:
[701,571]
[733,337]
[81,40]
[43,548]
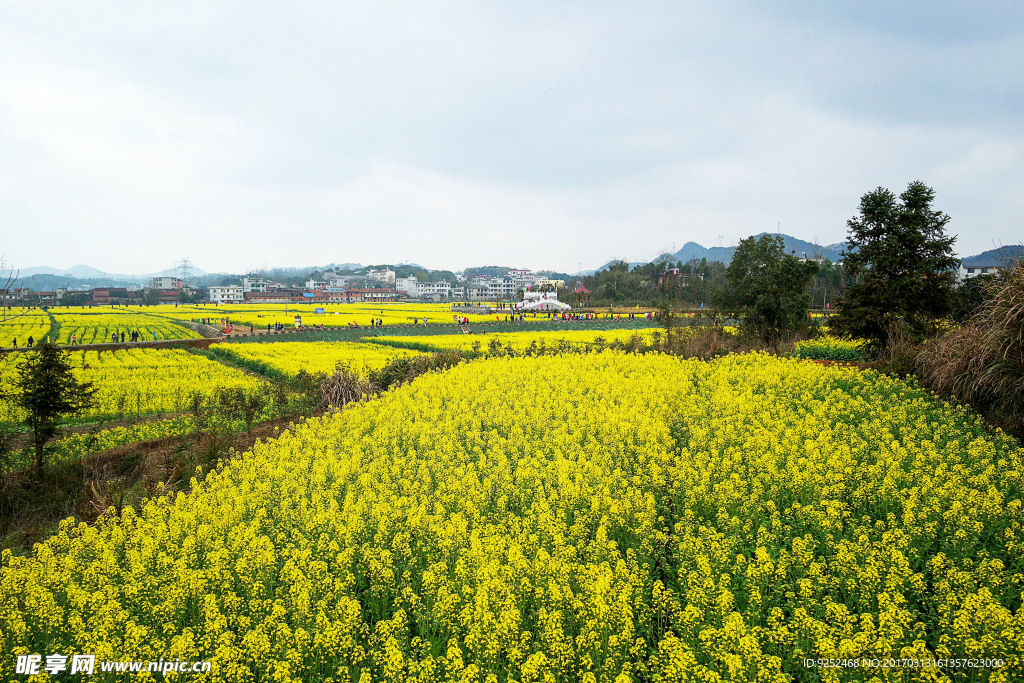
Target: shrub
[830,348]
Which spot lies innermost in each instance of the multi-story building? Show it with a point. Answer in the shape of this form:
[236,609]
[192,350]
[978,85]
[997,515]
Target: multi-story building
[227,294]
[407,285]
[370,294]
[433,290]
[492,288]
[166,282]
[387,276]
[521,275]
[423,290]
[254,284]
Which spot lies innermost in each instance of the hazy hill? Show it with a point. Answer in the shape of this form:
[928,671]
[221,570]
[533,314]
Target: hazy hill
[795,246]
[1013,251]
[798,247]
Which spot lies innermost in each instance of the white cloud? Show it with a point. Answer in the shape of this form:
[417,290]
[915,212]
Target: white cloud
[456,133]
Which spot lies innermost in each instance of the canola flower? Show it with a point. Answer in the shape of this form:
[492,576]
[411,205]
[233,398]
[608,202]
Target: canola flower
[136,381]
[314,357]
[21,324]
[335,314]
[593,517]
[519,341]
[96,326]
[830,348]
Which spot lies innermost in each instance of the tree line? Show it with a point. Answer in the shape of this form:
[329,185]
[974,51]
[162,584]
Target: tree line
[897,278]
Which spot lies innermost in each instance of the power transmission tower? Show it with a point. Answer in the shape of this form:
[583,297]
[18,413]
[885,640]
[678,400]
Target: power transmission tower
[185,270]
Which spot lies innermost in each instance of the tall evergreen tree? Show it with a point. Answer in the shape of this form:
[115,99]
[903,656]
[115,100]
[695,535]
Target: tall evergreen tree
[899,266]
[48,390]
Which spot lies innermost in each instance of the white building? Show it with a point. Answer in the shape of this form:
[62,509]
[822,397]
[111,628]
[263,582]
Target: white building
[407,285]
[433,289]
[229,294]
[387,276]
[167,283]
[423,290]
[969,269]
[315,284]
[254,284]
[521,275]
[492,288]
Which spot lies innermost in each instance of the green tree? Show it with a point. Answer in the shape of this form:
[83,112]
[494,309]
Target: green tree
[150,296]
[768,288]
[899,267]
[971,296]
[48,390]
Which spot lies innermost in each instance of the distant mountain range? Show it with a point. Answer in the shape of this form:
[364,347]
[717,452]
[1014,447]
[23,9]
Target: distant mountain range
[798,247]
[88,272]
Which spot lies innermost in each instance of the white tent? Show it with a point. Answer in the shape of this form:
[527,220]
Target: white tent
[541,301]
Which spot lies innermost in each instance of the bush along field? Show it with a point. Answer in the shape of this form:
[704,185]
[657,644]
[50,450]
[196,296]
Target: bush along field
[830,348]
[588,517]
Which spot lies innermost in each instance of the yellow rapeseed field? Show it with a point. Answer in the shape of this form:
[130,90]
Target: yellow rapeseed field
[518,341]
[19,324]
[335,314]
[593,517]
[291,357]
[136,381]
[95,326]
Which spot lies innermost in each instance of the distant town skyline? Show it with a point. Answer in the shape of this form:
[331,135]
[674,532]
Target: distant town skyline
[540,134]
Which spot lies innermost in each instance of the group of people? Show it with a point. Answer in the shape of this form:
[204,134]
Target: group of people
[115,337]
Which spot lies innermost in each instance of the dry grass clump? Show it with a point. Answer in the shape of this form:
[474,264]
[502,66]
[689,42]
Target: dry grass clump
[344,386]
[702,342]
[982,362]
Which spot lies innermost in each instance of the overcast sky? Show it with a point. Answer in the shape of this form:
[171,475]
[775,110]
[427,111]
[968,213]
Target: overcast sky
[534,134]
